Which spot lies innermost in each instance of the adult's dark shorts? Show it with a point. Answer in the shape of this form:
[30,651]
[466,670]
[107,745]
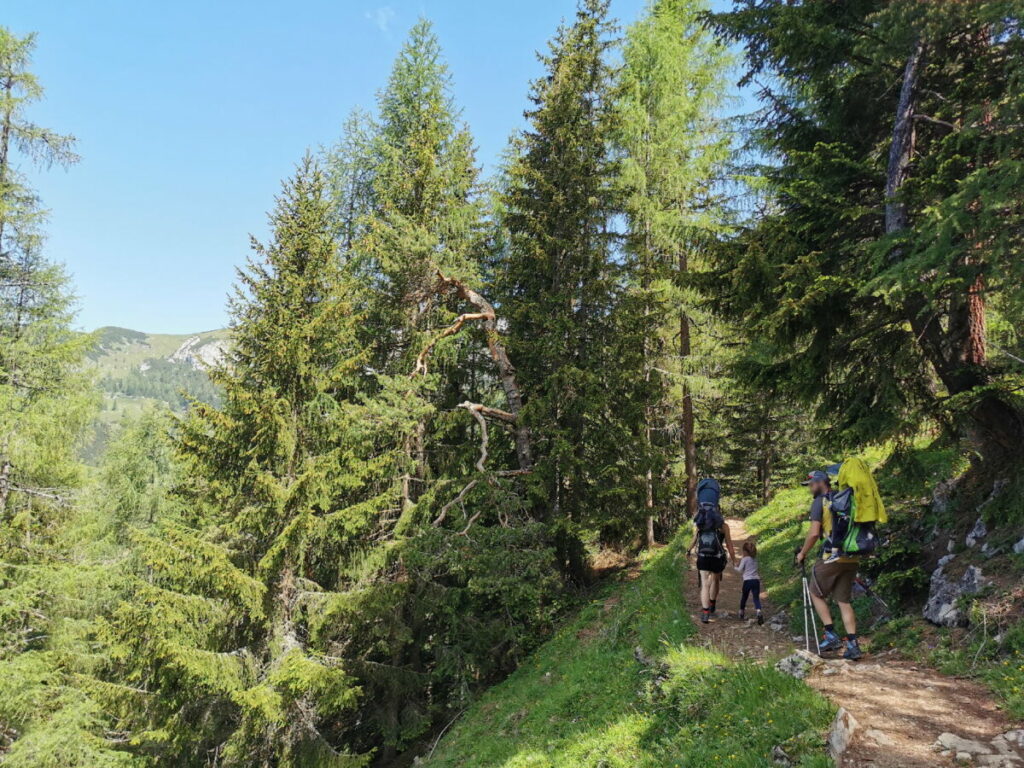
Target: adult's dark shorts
[712,564]
[834,579]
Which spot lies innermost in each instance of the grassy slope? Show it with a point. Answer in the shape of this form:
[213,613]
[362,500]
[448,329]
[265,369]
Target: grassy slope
[584,700]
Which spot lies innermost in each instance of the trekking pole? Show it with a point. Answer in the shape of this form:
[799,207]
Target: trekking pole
[803,596]
[814,619]
[809,608]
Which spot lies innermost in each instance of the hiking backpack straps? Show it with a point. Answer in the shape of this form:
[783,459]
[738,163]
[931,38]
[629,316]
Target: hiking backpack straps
[709,519]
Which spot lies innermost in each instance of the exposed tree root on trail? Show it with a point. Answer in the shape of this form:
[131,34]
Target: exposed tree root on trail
[901,709]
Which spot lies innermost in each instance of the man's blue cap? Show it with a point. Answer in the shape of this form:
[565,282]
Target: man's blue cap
[815,476]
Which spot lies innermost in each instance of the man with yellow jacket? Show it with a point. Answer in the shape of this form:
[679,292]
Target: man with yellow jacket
[833,577]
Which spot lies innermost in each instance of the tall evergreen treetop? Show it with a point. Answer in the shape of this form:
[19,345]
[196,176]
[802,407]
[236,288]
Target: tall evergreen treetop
[560,284]
[274,476]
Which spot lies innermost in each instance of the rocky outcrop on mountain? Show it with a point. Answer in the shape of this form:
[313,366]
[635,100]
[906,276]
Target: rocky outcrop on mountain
[200,354]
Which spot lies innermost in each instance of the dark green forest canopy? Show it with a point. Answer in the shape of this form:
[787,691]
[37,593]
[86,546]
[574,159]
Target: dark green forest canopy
[889,242]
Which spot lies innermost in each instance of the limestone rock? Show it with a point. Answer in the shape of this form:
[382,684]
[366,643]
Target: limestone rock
[958,745]
[998,761]
[799,664]
[881,738]
[1015,737]
[977,533]
[841,733]
[944,594]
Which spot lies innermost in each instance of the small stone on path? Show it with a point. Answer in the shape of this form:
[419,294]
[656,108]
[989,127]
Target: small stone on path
[880,738]
[841,733]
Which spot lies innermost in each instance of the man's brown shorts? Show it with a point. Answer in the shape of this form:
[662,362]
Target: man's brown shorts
[834,579]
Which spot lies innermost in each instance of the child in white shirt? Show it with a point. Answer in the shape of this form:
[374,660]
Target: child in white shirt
[747,567]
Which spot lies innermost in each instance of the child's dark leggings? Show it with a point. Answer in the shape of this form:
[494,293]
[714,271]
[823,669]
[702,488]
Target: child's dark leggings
[751,587]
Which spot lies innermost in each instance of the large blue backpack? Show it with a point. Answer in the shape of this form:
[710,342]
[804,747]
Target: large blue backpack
[709,519]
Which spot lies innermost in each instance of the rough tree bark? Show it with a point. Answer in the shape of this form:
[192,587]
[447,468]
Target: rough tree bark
[957,353]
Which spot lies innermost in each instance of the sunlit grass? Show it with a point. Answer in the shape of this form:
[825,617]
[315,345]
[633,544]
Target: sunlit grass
[583,700]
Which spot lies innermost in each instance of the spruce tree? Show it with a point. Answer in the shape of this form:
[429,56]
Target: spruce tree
[560,286]
[218,630]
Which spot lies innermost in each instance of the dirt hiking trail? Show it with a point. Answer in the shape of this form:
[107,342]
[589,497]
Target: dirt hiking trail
[900,710]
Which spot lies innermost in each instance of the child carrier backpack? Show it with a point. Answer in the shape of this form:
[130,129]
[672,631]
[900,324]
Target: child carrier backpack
[709,519]
[845,536]
[851,514]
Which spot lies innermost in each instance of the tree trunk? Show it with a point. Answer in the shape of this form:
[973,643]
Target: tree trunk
[506,371]
[5,482]
[686,422]
[958,353]
[5,145]
[649,505]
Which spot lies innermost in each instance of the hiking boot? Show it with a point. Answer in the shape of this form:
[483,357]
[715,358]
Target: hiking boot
[743,615]
[704,617]
[830,641]
[853,652]
[760,618]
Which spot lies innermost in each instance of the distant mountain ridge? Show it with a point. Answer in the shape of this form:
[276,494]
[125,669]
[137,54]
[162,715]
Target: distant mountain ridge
[159,367]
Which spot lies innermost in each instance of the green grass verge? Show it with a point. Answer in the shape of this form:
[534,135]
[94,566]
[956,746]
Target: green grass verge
[583,700]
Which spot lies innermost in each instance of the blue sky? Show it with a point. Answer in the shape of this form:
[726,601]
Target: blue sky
[189,114]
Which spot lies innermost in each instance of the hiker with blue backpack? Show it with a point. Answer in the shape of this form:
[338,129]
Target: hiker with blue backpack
[844,521]
[713,543]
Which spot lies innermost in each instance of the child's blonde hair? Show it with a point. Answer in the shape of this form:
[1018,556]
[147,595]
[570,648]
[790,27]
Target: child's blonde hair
[750,548]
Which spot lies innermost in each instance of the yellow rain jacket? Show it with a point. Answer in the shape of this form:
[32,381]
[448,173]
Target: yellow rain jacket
[868,506]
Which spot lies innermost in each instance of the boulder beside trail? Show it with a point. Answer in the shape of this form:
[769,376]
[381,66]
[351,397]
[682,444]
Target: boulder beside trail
[841,733]
[799,664]
[944,595]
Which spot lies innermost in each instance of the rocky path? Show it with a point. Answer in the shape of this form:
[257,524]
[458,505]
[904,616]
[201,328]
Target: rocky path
[898,714]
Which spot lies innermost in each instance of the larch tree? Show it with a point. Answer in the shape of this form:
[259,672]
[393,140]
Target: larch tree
[673,152]
[406,185]
[425,219]
[46,402]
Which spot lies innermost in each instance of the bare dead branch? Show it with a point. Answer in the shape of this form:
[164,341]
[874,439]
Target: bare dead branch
[469,523]
[461,495]
[451,330]
[936,121]
[475,410]
[506,371]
